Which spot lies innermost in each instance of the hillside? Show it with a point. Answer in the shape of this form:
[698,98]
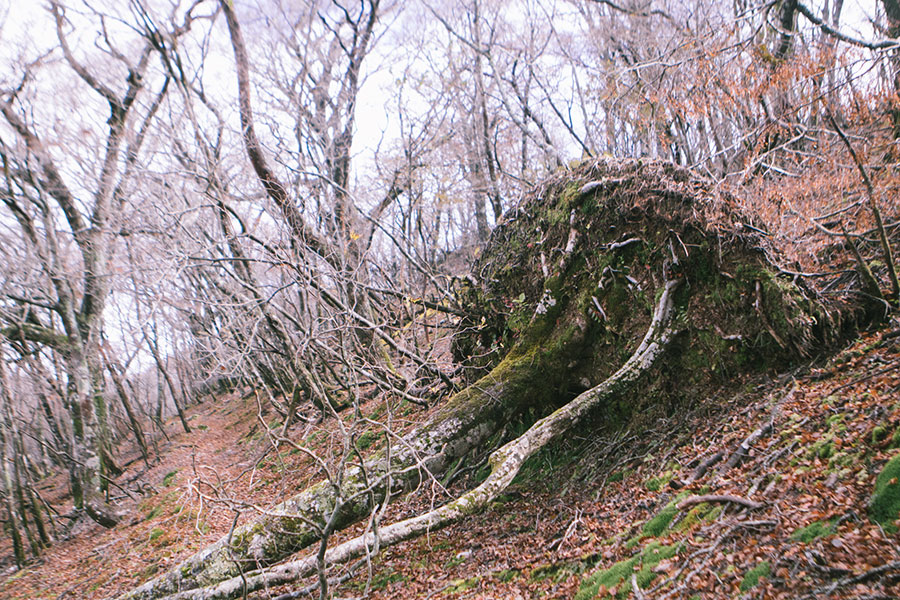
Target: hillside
[739,457]
[498,299]
[584,514]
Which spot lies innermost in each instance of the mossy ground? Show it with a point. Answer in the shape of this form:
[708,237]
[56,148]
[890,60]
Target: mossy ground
[885,505]
[815,530]
[753,576]
[616,580]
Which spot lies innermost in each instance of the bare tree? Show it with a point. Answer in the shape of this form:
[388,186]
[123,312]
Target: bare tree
[41,189]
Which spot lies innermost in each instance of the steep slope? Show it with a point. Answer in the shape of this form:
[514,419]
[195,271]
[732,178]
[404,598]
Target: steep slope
[678,504]
[560,298]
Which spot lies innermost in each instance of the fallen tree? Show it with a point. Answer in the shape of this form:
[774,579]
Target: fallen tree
[505,465]
[561,295]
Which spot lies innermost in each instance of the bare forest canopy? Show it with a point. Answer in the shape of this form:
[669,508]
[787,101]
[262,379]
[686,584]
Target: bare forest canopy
[481,212]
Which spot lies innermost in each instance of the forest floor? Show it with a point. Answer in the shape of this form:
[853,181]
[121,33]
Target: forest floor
[586,518]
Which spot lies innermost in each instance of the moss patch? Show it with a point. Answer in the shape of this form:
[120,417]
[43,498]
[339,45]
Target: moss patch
[506,575]
[462,585]
[754,575]
[380,580]
[658,524]
[619,575]
[884,508]
[815,530]
[654,484]
[365,441]
[169,478]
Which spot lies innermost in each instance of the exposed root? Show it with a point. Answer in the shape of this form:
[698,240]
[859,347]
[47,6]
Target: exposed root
[505,462]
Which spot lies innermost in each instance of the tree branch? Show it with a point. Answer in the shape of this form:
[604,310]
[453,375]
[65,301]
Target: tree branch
[505,465]
[274,188]
[888,44]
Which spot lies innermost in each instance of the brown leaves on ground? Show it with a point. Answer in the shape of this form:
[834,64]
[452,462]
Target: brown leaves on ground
[576,509]
[832,430]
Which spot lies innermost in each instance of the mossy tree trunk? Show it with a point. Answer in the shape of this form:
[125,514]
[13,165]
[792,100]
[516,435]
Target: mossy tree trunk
[532,375]
[569,284]
[505,465]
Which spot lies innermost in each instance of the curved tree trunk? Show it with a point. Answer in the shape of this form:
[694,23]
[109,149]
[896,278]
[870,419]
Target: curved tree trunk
[505,465]
[532,375]
[575,306]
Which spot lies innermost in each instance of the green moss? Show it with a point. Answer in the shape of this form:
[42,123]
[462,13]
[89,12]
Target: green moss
[18,575]
[884,507]
[385,578]
[365,441]
[823,448]
[506,575]
[380,580]
[241,538]
[619,574]
[815,530]
[620,475]
[548,461]
[148,571]
[462,585]
[751,579]
[556,572]
[156,533]
[713,514]
[658,524]
[454,562]
[826,450]
[654,484]
[655,526]
[842,462]
[693,517]
[169,478]
[543,572]
[879,434]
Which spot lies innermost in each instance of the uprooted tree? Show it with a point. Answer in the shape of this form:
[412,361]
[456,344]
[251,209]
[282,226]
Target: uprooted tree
[606,287]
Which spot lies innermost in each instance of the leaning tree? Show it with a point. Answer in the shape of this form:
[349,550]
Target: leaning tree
[595,296]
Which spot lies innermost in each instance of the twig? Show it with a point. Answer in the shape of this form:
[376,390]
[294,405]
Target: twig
[862,577]
[720,498]
[602,184]
[568,533]
[741,452]
[744,448]
[703,467]
[636,588]
[628,242]
[865,377]
[761,312]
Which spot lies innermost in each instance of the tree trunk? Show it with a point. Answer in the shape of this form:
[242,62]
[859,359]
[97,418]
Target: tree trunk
[174,393]
[126,404]
[505,465]
[532,375]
